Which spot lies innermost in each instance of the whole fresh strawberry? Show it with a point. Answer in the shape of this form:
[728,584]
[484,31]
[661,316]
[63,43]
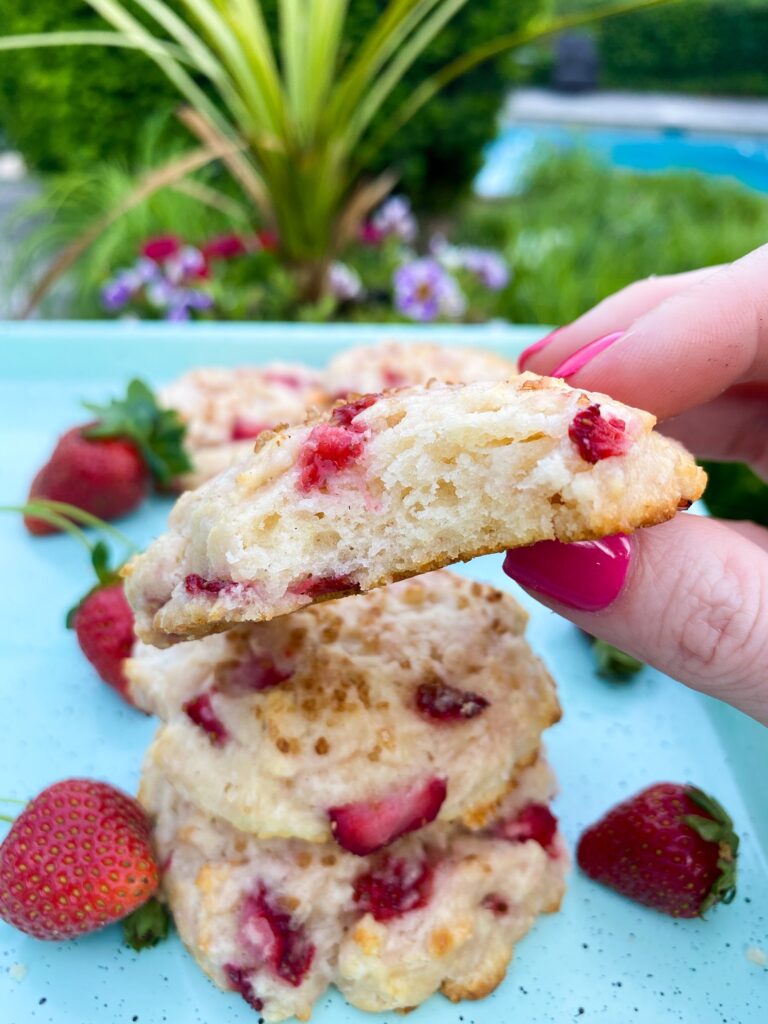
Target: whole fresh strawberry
[77,858]
[670,847]
[103,623]
[107,467]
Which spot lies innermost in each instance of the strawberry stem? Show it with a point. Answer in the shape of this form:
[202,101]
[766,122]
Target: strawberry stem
[41,510]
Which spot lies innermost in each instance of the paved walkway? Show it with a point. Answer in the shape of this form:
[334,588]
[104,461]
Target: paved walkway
[640,110]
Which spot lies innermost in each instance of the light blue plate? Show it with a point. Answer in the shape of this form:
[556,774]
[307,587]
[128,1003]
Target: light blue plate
[601,959]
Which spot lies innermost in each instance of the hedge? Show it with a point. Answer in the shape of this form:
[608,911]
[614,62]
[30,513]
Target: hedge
[68,108]
[709,46]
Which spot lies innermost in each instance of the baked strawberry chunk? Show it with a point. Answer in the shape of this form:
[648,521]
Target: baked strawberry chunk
[369,825]
[598,437]
[344,415]
[195,585]
[200,711]
[243,429]
[317,586]
[443,703]
[255,673]
[535,822]
[288,380]
[333,447]
[273,939]
[395,887]
[496,904]
[238,979]
[327,451]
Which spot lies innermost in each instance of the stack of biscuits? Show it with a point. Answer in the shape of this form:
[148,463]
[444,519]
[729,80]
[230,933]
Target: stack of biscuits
[354,793]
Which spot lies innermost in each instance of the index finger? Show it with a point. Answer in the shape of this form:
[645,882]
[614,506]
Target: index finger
[687,350]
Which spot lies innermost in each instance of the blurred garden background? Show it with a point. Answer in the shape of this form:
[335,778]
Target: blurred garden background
[526,188]
[363,160]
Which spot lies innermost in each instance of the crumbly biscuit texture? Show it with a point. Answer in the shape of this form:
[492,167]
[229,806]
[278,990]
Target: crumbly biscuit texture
[225,409]
[280,920]
[396,364]
[271,725]
[393,485]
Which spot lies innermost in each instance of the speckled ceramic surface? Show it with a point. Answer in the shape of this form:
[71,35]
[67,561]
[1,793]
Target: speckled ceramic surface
[601,959]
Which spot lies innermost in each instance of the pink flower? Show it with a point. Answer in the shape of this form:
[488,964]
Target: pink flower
[161,248]
[268,240]
[370,234]
[225,247]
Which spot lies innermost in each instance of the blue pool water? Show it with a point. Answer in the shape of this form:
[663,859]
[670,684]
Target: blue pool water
[731,156]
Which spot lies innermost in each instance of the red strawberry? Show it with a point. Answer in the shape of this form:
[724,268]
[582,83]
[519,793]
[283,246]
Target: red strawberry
[104,627]
[103,623]
[106,467]
[670,847]
[77,858]
[369,825]
[105,477]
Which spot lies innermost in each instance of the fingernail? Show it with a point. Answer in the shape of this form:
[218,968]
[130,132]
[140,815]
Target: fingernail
[583,355]
[587,575]
[537,346]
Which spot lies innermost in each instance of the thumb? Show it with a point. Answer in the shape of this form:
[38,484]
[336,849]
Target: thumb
[690,597]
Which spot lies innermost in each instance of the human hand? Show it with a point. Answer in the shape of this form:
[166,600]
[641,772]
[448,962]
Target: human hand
[690,596]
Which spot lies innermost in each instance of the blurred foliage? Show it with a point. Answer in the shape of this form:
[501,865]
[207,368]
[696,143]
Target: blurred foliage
[578,230]
[67,108]
[69,202]
[735,492]
[709,46]
[716,47]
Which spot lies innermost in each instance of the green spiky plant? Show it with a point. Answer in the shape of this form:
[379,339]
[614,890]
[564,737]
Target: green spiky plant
[295,125]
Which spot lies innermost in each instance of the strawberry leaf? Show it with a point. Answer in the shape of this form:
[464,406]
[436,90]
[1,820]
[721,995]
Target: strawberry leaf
[147,925]
[157,433]
[716,827]
[613,663]
[105,576]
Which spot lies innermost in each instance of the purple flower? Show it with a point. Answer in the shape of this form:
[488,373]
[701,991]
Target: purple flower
[117,292]
[488,266]
[187,262]
[344,282]
[146,270]
[177,313]
[162,294]
[193,298]
[394,219]
[425,291]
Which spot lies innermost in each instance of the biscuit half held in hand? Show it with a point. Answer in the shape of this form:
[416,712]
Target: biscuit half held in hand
[358,720]
[389,486]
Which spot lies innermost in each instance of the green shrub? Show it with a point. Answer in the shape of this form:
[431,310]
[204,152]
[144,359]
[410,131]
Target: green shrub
[579,230]
[67,108]
[710,46]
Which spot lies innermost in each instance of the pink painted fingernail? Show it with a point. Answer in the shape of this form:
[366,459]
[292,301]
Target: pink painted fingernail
[583,355]
[537,346]
[588,575]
